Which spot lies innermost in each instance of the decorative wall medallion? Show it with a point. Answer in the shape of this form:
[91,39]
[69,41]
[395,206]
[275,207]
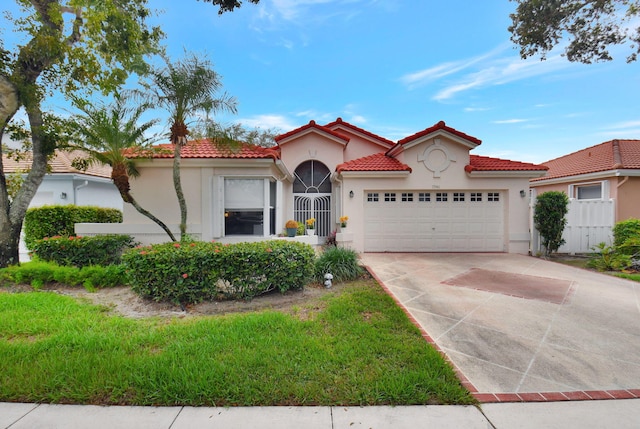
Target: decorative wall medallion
[436,158]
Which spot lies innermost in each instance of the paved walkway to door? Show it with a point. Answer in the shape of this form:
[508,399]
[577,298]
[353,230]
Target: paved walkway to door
[522,328]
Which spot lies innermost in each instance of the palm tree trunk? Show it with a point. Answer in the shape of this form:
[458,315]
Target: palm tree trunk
[121,181]
[148,214]
[177,183]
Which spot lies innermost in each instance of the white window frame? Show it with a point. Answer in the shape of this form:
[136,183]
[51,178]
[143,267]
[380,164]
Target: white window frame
[266,208]
[604,190]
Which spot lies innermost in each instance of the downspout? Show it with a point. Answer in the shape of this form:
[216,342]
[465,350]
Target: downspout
[77,188]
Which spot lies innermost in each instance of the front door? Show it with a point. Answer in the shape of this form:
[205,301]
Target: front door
[312,195]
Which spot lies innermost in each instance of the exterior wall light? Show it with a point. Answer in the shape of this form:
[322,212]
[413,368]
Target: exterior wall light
[523,193]
[350,194]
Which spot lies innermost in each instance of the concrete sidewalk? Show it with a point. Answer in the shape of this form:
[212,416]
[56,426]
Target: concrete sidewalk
[618,414]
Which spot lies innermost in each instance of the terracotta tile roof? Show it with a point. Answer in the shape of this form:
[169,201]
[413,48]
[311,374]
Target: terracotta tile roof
[60,163]
[610,155]
[485,163]
[376,162]
[205,149]
[339,122]
[439,126]
[310,125]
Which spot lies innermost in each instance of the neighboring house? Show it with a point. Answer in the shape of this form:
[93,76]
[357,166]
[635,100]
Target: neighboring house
[603,185]
[64,184]
[424,193]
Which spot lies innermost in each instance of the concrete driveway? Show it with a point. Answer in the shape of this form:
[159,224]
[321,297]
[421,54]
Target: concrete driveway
[514,324]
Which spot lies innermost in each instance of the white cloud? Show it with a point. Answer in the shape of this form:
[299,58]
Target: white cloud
[476,109]
[358,119]
[624,125]
[269,122]
[422,77]
[489,69]
[510,121]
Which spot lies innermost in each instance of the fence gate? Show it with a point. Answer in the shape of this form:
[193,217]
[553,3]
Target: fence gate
[589,222]
[318,206]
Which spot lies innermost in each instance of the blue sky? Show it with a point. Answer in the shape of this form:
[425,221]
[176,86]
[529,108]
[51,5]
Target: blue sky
[396,67]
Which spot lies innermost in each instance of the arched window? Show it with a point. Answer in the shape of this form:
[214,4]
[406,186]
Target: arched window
[312,177]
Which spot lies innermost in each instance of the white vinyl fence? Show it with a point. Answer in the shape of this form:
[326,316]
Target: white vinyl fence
[589,222]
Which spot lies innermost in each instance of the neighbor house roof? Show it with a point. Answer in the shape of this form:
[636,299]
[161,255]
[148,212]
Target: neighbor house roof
[62,162]
[485,163]
[376,162]
[206,149]
[610,155]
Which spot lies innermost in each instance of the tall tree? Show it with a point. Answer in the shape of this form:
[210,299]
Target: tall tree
[111,135]
[228,5]
[592,27]
[185,89]
[71,45]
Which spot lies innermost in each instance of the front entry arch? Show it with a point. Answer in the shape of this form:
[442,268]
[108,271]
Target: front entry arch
[312,195]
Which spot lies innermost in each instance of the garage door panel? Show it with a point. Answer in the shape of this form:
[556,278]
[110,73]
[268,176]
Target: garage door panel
[434,226]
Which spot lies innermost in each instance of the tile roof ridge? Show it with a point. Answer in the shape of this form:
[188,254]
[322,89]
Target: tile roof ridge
[311,124]
[340,121]
[617,157]
[441,125]
[579,151]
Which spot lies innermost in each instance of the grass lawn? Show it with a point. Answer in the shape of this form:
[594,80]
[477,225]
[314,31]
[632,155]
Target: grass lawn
[352,348]
[635,277]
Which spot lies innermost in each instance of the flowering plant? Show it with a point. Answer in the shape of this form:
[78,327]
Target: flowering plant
[291,224]
[343,221]
[311,223]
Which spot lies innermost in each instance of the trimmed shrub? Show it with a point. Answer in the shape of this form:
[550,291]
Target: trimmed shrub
[189,273]
[340,262]
[49,221]
[550,219]
[83,251]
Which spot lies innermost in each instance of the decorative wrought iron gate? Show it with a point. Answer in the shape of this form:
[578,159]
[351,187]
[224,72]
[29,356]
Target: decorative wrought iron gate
[312,195]
[316,206]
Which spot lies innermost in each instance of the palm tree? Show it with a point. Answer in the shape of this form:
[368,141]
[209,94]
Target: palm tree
[111,135]
[185,88]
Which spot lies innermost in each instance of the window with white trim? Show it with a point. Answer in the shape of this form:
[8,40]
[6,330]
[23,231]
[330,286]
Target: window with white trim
[373,197]
[493,196]
[407,196]
[389,196]
[476,197]
[442,196]
[458,196]
[424,196]
[244,206]
[592,191]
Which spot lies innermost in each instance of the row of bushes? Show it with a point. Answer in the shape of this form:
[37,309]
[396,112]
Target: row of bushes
[38,273]
[185,272]
[48,221]
[625,252]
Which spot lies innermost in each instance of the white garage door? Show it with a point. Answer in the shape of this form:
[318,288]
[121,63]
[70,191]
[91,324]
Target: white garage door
[427,221]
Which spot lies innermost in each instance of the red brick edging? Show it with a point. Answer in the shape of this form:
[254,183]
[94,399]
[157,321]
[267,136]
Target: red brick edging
[486,398]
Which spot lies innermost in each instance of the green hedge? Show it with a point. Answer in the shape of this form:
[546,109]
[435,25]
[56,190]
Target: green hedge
[185,273]
[39,273]
[83,251]
[49,221]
